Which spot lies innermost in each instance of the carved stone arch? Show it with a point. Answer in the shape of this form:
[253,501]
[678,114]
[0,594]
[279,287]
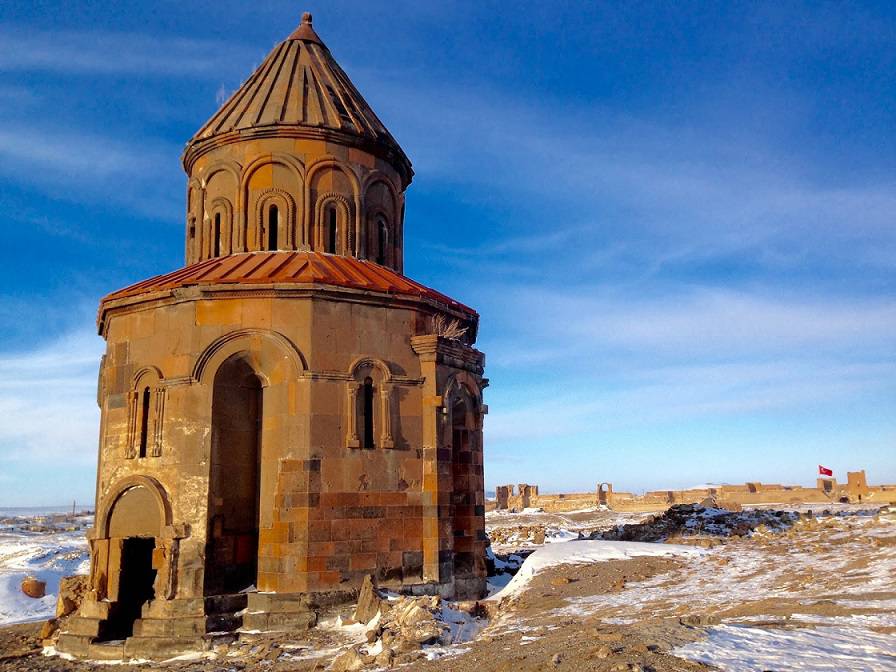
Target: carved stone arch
[373,362]
[220,206]
[375,177]
[153,373]
[221,165]
[287,224]
[462,381]
[146,413]
[270,348]
[295,167]
[344,243]
[311,215]
[155,489]
[371,234]
[368,420]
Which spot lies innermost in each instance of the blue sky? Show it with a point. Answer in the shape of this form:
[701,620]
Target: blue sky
[678,221]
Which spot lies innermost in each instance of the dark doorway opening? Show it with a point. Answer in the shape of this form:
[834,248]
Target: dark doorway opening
[231,561]
[135,586]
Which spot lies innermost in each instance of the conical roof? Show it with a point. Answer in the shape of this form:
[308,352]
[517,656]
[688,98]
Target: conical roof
[300,91]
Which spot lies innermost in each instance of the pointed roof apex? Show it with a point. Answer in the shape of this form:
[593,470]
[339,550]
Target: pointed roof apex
[305,31]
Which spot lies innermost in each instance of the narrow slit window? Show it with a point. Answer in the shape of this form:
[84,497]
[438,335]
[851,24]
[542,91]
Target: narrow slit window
[217,235]
[382,234]
[367,410]
[144,423]
[330,233]
[273,226]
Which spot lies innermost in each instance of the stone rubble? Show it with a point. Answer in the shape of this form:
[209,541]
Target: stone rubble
[692,520]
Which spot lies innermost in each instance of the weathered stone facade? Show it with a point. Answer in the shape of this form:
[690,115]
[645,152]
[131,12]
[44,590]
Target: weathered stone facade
[287,414]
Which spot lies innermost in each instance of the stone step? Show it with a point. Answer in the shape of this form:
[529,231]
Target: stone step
[75,645]
[279,621]
[81,625]
[170,627]
[160,648]
[105,650]
[283,602]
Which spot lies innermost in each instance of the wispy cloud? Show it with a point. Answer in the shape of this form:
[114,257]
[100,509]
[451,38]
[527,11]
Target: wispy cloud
[110,53]
[48,410]
[683,192]
[81,166]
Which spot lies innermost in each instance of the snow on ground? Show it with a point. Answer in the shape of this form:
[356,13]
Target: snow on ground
[584,553]
[37,547]
[739,648]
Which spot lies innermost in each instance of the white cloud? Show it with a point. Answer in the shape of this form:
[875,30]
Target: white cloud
[81,166]
[111,53]
[48,410]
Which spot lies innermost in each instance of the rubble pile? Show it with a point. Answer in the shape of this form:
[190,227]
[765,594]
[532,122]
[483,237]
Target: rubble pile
[691,520]
[398,629]
[533,534]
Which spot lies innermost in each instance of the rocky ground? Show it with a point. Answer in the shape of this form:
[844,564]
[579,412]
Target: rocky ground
[749,591]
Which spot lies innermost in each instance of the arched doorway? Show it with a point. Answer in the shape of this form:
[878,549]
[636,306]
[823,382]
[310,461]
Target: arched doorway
[231,561]
[463,504]
[134,526]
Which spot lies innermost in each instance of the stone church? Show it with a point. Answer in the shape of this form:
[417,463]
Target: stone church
[287,413]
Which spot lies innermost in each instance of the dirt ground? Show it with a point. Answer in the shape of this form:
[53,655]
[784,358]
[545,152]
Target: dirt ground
[832,574]
[527,638]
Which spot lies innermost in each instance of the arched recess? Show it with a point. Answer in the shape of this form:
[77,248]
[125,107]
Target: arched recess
[275,232]
[146,413]
[380,237]
[263,368]
[368,409]
[220,227]
[235,466]
[154,492]
[134,552]
[275,173]
[328,176]
[381,206]
[275,357]
[332,224]
[220,181]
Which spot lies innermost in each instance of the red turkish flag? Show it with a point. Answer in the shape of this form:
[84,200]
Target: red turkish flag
[824,471]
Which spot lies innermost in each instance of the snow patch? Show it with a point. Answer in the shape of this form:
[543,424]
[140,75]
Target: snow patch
[586,552]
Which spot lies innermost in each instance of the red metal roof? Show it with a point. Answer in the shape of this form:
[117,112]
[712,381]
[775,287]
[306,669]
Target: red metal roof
[285,267]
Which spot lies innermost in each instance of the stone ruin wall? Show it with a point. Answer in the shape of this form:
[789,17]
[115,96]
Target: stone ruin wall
[827,491]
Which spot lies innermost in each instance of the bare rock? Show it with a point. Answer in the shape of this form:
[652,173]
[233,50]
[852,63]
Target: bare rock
[403,645]
[602,652]
[386,658]
[34,587]
[72,590]
[49,628]
[348,661]
[368,602]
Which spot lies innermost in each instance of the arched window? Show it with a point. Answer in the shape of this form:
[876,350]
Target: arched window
[382,240]
[273,226]
[216,235]
[367,412]
[144,423]
[331,220]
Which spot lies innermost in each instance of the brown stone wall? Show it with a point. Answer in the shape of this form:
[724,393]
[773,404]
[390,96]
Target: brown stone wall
[331,511]
[232,187]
